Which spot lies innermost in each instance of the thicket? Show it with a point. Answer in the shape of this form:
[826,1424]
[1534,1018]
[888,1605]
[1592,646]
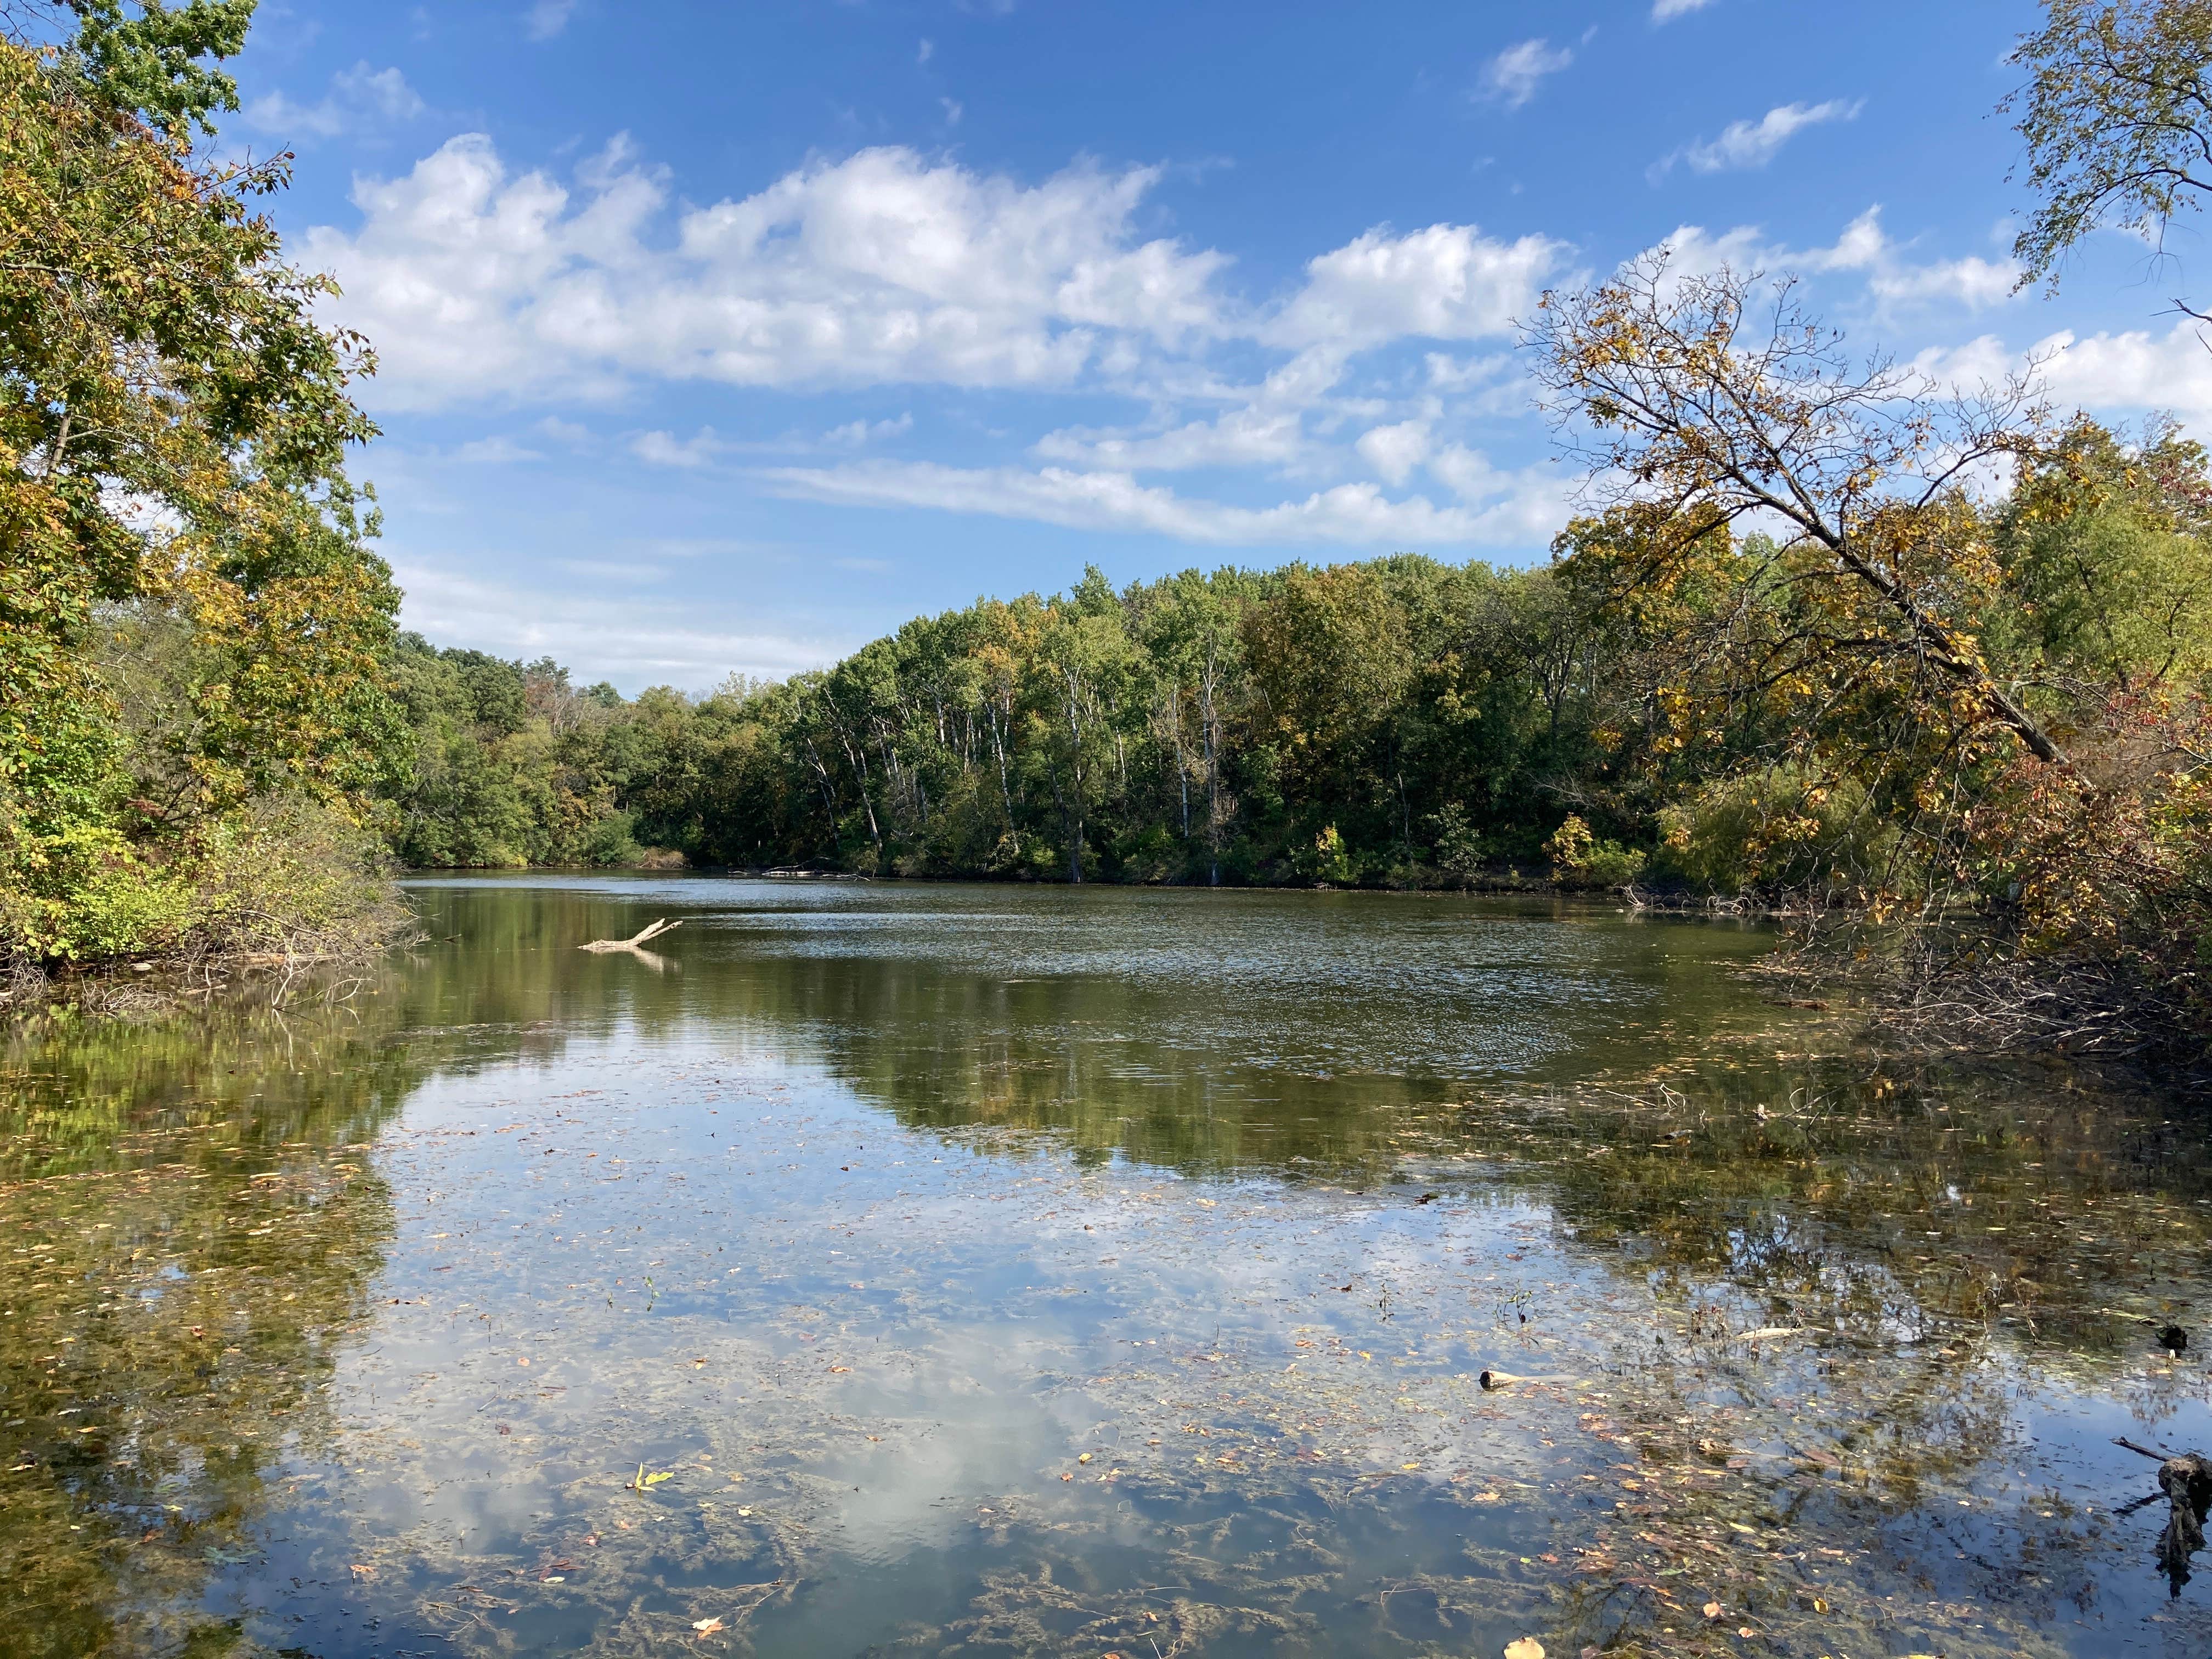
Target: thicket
[194,712]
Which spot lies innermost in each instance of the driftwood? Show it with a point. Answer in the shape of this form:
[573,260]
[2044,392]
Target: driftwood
[635,940]
[2186,1480]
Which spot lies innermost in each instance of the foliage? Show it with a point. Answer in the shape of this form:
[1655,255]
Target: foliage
[1579,859]
[2117,115]
[193,636]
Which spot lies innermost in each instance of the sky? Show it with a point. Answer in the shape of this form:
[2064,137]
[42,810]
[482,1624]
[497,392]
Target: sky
[724,339]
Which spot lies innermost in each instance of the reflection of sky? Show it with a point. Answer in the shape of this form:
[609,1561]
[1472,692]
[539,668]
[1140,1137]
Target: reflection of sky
[1000,1314]
[721,1257]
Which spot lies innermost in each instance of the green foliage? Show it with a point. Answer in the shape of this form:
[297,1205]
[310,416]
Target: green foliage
[2116,114]
[1779,829]
[512,767]
[1580,859]
[173,681]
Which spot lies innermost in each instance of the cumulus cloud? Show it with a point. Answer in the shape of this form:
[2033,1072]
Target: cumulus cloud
[1743,145]
[1511,78]
[1666,11]
[1394,451]
[1446,282]
[666,449]
[853,433]
[881,268]
[358,98]
[1354,515]
[2116,375]
[1863,247]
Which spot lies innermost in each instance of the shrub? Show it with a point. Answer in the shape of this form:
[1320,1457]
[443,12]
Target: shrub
[1580,859]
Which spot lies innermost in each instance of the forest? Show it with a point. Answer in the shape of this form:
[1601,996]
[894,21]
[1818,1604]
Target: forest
[1826,638]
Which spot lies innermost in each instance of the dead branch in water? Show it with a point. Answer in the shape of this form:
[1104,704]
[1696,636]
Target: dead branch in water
[635,940]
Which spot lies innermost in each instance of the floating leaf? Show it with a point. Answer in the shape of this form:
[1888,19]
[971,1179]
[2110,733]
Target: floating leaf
[1525,1647]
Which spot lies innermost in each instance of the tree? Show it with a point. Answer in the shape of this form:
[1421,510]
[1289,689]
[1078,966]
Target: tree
[174,425]
[1706,405]
[2118,118]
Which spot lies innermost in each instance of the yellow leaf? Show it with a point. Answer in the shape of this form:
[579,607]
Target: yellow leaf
[1525,1647]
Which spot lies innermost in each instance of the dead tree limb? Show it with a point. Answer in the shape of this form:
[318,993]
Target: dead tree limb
[2186,1480]
[635,940]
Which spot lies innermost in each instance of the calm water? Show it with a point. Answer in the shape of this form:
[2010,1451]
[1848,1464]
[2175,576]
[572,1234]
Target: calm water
[910,1269]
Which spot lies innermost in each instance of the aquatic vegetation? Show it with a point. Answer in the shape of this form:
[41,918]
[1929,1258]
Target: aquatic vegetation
[827,1292]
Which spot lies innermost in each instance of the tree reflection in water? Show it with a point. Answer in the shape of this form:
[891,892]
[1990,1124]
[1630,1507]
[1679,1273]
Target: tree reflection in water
[1240,1194]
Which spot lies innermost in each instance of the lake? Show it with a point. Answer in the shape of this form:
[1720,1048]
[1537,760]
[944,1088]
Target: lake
[907,1269]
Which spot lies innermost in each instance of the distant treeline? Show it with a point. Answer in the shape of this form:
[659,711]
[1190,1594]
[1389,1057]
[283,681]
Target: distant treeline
[1392,722]
[1387,721]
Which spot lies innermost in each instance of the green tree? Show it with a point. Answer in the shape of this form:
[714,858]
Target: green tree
[2117,115]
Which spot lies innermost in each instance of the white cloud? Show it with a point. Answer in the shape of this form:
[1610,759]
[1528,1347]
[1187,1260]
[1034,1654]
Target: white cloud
[1747,144]
[547,18]
[1446,282]
[1514,75]
[1862,246]
[928,47]
[358,97]
[666,449]
[853,433]
[2111,374]
[602,635]
[881,268]
[1356,516]
[1666,11]
[1394,451]
[1244,437]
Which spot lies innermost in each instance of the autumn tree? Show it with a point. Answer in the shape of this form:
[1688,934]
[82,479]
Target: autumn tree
[2117,116]
[174,424]
[1711,405]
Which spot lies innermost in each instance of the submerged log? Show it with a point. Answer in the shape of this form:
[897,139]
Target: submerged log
[2186,1480]
[635,940]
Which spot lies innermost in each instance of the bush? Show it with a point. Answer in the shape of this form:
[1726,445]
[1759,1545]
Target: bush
[1781,829]
[1580,859]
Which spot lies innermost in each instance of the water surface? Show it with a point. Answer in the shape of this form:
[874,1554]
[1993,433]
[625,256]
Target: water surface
[881,1267]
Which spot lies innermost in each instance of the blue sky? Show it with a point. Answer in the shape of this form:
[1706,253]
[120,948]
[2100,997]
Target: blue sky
[726,337]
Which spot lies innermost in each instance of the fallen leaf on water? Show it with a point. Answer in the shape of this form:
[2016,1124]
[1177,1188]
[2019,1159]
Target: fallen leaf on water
[744,1509]
[1085,1458]
[1409,1465]
[705,1626]
[1526,1647]
[835,1369]
[1713,1609]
